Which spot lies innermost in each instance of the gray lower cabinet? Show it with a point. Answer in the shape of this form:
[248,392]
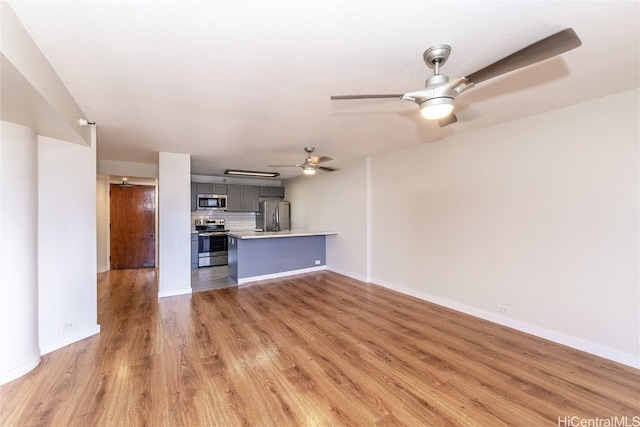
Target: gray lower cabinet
[194,250]
[242,198]
[194,200]
[252,258]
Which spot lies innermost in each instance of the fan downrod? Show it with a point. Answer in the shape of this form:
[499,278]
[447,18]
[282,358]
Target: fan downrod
[436,55]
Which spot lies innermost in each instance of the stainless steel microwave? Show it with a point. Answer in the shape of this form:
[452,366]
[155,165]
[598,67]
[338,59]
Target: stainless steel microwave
[212,201]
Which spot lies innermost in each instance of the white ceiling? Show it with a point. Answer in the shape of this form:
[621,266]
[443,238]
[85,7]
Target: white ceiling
[245,84]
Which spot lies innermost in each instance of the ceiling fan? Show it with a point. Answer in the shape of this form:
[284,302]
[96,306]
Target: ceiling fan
[437,98]
[311,163]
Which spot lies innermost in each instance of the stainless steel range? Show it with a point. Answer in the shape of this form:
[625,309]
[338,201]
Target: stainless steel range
[212,242]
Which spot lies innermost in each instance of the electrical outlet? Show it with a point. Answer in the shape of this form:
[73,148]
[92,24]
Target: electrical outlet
[70,324]
[503,309]
[317,262]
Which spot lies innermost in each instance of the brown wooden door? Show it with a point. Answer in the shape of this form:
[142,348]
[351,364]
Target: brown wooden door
[133,226]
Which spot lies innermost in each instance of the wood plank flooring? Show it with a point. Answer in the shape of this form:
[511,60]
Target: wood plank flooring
[317,349]
[208,278]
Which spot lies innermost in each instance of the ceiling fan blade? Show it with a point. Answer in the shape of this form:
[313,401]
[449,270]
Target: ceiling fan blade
[326,169]
[539,51]
[393,95]
[283,166]
[446,121]
[321,159]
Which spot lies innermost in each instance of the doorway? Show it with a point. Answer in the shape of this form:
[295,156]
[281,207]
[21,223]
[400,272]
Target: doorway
[132,226]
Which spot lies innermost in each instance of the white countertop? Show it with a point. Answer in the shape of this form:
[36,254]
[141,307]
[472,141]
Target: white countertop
[271,234]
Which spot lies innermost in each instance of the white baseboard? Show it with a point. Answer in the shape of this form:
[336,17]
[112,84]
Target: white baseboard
[184,291]
[282,274]
[349,274]
[557,337]
[69,339]
[103,269]
[21,370]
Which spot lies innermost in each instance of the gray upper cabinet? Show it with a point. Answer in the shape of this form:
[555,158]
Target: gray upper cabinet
[250,198]
[271,192]
[234,198]
[242,198]
[204,188]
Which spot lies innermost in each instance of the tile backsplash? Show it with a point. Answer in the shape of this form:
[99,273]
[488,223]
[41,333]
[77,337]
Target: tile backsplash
[235,221]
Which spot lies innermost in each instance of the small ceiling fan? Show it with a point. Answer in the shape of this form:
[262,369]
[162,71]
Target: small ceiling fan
[437,98]
[311,163]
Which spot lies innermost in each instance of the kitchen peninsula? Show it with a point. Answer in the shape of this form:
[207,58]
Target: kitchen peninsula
[256,255]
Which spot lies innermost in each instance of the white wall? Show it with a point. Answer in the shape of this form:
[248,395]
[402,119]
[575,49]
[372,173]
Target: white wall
[48,208]
[539,214]
[67,288]
[174,213]
[335,201]
[128,169]
[19,352]
[258,182]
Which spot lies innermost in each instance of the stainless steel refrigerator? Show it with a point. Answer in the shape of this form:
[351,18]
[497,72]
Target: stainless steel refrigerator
[273,216]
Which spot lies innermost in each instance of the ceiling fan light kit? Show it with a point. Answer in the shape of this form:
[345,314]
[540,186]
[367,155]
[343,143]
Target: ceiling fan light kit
[436,100]
[436,108]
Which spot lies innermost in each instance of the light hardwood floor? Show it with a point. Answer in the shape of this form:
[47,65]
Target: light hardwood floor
[317,349]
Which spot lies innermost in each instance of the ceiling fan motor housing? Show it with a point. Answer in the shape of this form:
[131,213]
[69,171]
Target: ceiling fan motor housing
[436,80]
[436,86]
